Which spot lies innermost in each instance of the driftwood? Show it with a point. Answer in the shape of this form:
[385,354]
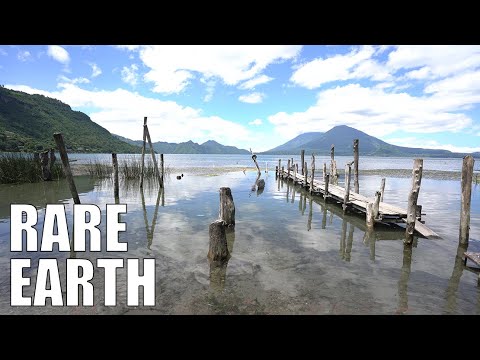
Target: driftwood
[467,173]
[227,207]
[412,199]
[66,166]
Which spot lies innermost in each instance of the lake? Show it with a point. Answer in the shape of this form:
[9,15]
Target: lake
[291,252]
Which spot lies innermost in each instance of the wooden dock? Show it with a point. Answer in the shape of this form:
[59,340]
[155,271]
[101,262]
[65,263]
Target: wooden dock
[387,213]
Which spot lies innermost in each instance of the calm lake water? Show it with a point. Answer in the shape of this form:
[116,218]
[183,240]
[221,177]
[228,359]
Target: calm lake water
[291,253]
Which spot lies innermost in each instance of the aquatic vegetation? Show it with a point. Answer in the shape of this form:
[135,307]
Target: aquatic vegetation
[21,168]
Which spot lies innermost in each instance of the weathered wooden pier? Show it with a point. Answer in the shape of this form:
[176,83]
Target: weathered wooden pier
[375,210]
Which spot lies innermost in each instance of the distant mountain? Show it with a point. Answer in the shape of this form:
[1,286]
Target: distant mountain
[297,142]
[27,123]
[342,137]
[189,147]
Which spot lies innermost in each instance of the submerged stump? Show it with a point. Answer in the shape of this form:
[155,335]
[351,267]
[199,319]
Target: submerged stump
[227,206]
[218,248]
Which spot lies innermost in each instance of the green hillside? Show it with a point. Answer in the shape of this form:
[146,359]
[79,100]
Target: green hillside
[27,123]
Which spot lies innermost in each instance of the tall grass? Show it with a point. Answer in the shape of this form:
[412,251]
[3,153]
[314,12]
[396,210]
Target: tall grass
[21,168]
[128,169]
[98,169]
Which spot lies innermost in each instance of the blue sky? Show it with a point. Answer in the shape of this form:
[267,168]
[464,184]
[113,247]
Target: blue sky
[261,96]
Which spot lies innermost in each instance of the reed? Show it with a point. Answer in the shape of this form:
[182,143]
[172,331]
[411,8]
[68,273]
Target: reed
[21,168]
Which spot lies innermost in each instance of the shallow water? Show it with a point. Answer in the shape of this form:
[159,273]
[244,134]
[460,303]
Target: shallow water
[291,253]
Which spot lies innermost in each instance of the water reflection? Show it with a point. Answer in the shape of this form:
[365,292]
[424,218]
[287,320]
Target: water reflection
[451,291]
[218,269]
[403,281]
[150,230]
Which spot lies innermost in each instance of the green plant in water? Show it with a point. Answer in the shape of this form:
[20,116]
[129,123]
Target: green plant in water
[21,168]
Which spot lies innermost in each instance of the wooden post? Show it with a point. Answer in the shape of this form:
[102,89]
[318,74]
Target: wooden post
[327,180]
[376,205]
[283,171]
[312,175]
[305,172]
[279,164]
[332,159]
[412,199]
[346,198]
[46,173]
[296,170]
[115,176]
[143,151]
[288,170]
[467,172]
[276,170]
[325,172]
[227,206]
[370,216]
[355,166]
[218,249]
[36,157]
[153,155]
[382,189]
[162,166]
[254,158]
[302,160]
[335,173]
[52,159]
[66,166]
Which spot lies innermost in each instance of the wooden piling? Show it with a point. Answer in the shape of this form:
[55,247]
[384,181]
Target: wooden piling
[305,173]
[302,161]
[325,172]
[370,216]
[152,152]
[412,199]
[334,178]
[332,159]
[346,198]
[227,206]
[162,166]
[66,166]
[52,159]
[467,173]
[355,166]
[312,175]
[382,189]
[288,170]
[46,173]
[279,164]
[115,176]
[376,205]
[218,248]
[327,180]
[143,151]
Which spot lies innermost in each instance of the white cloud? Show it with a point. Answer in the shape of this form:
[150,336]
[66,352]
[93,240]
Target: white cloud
[87,47]
[356,64]
[96,71]
[172,67]
[121,112]
[434,61]
[24,55]
[377,112]
[128,47]
[468,82]
[3,52]
[250,84]
[253,98]
[79,80]
[129,74]
[59,54]
[256,122]
[430,144]
[210,89]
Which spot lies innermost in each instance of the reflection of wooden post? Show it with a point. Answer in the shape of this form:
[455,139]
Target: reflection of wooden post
[348,249]
[324,217]
[412,199]
[346,198]
[115,176]
[218,249]
[450,293]
[66,166]
[227,207]
[310,214]
[467,172]
[302,161]
[343,238]
[355,166]
[382,189]
[369,239]
[403,281]
[143,151]
[312,175]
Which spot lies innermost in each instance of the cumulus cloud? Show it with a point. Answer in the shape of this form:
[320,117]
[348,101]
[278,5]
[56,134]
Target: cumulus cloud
[259,80]
[173,67]
[121,112]
[59,54]
[256,122]
[129,74]
[253,98]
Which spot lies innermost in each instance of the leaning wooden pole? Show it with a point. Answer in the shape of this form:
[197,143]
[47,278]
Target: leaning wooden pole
[153,155]
[355,166]
[143,151]
[467,174]
[302,160]
[66,166]
[412,199]
[115,176]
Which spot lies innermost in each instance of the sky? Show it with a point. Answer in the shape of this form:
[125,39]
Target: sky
[261,96]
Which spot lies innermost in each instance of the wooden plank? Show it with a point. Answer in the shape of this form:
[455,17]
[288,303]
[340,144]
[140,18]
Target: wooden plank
[475,257]
[424,230]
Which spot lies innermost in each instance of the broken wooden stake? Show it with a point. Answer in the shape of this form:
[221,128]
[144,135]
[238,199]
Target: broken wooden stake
[346,198]
[302,161]
[152,152]
[327,180]
[355,166]
[115,176]
[66,166]
[467,173]
[370,216]
[312,175]
[46,172]
[382,189]
[227,206]
[288,170]
[376,205]
[412,199]
[218,248]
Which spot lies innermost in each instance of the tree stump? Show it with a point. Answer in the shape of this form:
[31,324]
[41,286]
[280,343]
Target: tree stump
[227,206]
[218,249]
